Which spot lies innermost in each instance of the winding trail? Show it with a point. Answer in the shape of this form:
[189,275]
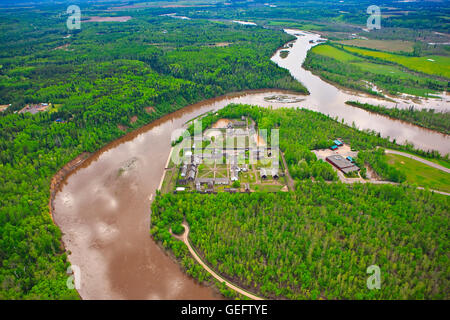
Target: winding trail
[185,239]
[428,163]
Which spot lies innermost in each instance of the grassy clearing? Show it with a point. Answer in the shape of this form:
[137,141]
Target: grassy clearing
[434,65]
[266,187]
[396,72]
[170,180]
[420,174]
[384,45]
[385,69]
[332,52]
[441,162]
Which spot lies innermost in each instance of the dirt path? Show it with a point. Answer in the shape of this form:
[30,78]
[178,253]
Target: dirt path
[185,239]
[428,163]
[289,179]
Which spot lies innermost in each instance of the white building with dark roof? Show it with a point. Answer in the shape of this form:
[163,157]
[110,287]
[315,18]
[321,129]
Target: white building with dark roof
[263,173]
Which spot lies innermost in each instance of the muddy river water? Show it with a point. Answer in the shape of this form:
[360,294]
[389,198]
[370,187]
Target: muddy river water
[103,207]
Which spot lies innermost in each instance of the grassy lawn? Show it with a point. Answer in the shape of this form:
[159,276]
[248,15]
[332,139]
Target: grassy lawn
[247,177]
[435,65]
[421,174]
[170,179]
[441,162]
[221,174]
[221,167]
[266,187]
[205,174]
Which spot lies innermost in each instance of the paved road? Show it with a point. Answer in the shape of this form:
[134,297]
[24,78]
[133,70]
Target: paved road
[428,163]
[185,239]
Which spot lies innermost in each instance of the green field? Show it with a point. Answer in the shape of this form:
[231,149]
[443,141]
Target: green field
[396,72]
[434,65]
[352,69]
[385,45]
[421,174]
[335,53]
[293,24]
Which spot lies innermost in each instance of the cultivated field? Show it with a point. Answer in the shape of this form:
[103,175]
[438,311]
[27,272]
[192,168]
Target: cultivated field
[384,45]
[434,65]
[385,74]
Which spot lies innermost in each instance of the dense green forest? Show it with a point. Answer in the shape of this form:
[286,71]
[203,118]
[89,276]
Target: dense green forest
[427,118]
[378,162]
[105,74]
[98,78]
[318,241]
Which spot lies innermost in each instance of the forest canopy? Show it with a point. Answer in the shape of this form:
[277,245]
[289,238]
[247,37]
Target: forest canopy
[98,79]
[317,241]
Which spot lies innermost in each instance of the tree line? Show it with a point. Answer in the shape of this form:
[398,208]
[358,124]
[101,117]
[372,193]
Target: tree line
[427,118]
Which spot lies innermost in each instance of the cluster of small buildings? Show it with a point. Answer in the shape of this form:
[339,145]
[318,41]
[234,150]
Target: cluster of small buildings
[337,144]
[209,183]
[235,169]
[346,165]
[189,170]
[35,108]
[189,178]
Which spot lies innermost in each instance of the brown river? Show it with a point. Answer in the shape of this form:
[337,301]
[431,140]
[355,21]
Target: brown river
[103,207]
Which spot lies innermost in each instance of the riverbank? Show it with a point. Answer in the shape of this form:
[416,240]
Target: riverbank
[425,118]
[102,212]
[61,176]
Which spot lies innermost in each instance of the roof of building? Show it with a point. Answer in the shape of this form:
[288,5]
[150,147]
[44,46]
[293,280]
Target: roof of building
[221,181]
[205,180]
[240,123]
[339,161]
[350,169]
[191,174]
[262,172]
[274,171]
